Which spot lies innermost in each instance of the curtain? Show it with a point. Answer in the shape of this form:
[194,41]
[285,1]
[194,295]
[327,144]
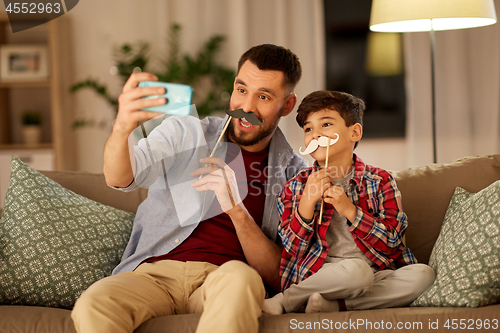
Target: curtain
[294,24]
[467,68]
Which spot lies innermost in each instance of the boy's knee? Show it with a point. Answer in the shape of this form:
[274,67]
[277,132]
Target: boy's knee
[423,277]
[361,272]
[361,276]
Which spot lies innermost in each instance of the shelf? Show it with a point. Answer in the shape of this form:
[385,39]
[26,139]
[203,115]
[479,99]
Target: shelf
[20,146]
[50,94]
[25,84]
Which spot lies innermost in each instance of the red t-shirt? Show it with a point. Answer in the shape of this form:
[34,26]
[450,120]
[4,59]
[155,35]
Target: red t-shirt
[214,240]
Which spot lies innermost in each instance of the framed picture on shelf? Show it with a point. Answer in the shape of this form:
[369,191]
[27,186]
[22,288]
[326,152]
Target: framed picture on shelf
[23,62]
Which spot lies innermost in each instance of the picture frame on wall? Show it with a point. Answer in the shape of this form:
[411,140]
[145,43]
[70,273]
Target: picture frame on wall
[23,62]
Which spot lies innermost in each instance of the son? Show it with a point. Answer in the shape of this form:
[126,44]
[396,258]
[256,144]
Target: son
[354,258]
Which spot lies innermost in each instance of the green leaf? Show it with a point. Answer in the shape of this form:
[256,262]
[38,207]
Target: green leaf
[175,67]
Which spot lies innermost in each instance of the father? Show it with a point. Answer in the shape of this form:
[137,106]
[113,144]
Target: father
[217,266]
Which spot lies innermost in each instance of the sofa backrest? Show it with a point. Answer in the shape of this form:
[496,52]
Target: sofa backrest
[427,190]
[93,186]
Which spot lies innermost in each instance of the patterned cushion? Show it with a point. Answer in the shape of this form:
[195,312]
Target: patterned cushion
[55,243]
[466,256]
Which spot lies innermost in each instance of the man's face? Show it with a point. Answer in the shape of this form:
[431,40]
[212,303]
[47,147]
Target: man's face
[262,93]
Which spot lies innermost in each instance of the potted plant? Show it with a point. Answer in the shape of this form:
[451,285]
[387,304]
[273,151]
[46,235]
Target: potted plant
[211,81]
[31,129]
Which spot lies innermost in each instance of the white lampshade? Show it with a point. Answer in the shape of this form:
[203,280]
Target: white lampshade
[416,15]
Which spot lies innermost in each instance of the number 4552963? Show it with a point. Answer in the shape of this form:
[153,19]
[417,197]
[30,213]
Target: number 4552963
[471,324]
[33,8]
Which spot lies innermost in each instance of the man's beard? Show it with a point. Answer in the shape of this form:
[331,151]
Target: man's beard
[263,132]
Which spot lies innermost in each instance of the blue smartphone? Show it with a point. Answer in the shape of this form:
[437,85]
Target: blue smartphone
[178,97]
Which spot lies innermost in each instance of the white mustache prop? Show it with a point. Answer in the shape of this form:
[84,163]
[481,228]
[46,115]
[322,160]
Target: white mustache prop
[321,142]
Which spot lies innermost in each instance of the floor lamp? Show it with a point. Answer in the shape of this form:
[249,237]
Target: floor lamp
[430,15]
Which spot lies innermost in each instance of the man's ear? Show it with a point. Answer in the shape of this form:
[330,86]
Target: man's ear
[290,102]
[356,132]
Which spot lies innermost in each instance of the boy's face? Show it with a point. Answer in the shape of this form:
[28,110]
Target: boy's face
[327,122]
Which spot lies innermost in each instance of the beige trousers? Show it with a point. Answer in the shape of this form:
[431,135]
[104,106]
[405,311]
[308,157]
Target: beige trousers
[355,281]
[229,297]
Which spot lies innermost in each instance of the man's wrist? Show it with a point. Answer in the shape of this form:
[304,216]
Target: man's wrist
[119,131]
[238,212]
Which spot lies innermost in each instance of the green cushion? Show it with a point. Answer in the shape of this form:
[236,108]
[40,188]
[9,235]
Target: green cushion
[55,243]
[466,256]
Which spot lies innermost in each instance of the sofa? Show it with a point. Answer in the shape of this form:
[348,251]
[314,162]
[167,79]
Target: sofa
[426,193]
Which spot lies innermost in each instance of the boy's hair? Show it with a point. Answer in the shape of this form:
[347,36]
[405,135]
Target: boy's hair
[275,58]
[349,107]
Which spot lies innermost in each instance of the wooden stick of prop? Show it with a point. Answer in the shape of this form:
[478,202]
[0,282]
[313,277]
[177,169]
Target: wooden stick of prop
[220,138]
[223,172]
[228,187]
[326,166]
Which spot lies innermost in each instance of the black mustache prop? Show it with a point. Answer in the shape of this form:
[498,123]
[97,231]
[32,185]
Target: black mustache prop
[238,113]
[249,116]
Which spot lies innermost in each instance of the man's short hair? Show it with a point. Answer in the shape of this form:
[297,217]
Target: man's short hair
[275,58]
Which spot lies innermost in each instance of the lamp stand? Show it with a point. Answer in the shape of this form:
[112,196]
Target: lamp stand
[433,88]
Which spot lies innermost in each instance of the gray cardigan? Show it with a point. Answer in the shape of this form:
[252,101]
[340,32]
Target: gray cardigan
[173,208]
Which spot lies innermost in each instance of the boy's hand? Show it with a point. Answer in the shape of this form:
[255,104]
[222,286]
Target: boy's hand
[336,196]
[317,183]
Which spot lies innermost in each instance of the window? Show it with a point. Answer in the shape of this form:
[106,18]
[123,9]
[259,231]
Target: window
[366,64]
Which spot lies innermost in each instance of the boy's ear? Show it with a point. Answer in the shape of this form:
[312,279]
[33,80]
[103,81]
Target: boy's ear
[356,132]
[290,102]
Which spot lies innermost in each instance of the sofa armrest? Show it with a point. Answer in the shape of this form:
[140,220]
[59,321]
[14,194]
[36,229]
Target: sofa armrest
[427,190]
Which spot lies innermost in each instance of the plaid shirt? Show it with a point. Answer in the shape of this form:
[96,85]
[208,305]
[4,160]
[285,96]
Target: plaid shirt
[378,228]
